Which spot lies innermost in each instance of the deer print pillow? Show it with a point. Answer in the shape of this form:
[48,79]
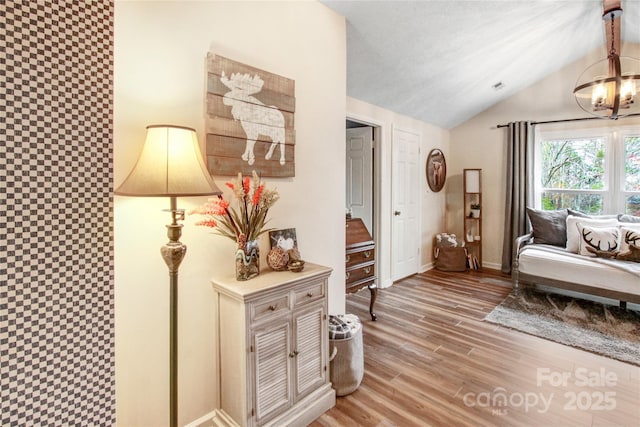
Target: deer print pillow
[574,235]
[599,241]
[629,235]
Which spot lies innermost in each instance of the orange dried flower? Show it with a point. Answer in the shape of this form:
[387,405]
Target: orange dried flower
[257,194]
[207,223]
[245,185]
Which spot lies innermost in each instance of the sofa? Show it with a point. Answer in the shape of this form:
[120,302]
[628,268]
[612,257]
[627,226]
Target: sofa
[567,249]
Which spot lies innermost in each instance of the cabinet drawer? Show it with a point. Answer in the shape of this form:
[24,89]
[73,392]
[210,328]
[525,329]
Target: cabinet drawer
[359,257]
[269,307]
[308,294]
[360,272]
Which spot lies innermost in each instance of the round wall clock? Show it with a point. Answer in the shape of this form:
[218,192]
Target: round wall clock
[436,170]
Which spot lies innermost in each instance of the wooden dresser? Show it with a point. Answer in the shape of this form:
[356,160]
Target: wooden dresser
[360,260]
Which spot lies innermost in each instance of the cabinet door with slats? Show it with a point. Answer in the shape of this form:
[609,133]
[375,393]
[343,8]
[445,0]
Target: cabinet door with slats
[310,357]
[272,370]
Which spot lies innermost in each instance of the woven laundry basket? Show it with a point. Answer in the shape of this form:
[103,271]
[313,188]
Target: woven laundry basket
[347,358]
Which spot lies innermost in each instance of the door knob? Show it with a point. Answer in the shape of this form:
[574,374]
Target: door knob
[396,213]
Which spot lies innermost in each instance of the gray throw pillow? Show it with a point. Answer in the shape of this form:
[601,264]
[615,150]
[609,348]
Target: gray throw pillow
[628,218]
[549,227]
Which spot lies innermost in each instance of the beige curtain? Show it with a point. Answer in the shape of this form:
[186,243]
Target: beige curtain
[519,187]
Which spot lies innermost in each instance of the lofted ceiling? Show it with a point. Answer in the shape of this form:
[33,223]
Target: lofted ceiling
[438,61]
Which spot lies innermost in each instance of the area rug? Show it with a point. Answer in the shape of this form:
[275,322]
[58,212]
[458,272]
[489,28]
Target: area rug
[599,328]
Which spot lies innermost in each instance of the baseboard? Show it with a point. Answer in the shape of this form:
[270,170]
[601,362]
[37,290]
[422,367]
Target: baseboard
[216,418]
[487,265]
[386,284]
[427,267]
[492,266]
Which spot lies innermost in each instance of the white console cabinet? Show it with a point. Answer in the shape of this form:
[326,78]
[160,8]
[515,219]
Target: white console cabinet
[273,347]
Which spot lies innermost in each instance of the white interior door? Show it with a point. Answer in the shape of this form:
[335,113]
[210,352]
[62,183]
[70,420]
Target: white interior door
[405,179]
[359,194]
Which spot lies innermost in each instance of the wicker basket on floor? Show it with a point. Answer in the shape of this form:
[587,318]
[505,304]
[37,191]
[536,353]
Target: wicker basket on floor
[347,358]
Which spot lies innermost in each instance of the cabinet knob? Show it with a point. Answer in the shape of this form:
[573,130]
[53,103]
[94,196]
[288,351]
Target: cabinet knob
[347,258]
[347,274]
[367,270]
[293,354]
[367,254]
[310,294]
[273,307]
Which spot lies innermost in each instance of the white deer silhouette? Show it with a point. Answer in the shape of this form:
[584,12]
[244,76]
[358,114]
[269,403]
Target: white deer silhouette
[255,117]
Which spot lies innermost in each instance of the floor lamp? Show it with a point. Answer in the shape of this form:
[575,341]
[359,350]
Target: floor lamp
[170,165]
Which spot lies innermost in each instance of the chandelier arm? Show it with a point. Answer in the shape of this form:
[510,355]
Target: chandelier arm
[594,83]
[618,83]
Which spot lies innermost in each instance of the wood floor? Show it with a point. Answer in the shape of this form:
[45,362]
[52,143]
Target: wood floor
[431,360]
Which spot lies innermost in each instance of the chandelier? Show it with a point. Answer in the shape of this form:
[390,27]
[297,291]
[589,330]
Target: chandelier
[607,88]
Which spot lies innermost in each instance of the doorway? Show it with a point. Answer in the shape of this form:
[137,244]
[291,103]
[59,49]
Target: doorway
[359,173]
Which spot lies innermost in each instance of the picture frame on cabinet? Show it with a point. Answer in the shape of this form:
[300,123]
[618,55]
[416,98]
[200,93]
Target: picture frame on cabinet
[284,239]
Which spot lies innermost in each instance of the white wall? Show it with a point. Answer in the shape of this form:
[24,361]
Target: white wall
[478,143]
[160,51]
[432,204]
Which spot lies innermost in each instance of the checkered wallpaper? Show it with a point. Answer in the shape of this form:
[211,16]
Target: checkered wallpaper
[56,213]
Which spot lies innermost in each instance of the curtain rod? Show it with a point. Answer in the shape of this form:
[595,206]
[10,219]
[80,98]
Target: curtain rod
[568,120]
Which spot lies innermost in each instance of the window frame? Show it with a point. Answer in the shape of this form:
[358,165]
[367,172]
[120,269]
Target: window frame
[613,193]
[621,175]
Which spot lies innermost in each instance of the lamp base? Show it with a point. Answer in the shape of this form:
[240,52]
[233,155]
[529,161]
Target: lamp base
[173,254]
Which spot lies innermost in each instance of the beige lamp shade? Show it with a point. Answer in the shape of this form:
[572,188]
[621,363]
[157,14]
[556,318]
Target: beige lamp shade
[170,164]
[472,181]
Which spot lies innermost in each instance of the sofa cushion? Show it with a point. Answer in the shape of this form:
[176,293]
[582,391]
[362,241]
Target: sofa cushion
[598,241]
[574,235]
[584,215]
[549,227]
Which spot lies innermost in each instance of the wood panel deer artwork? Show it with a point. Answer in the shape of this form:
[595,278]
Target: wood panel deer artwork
[250,117]
[256,118]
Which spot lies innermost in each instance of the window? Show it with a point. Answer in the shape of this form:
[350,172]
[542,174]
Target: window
[594,171]
[631,175]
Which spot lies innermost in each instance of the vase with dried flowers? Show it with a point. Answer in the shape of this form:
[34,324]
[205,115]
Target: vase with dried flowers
[243,225]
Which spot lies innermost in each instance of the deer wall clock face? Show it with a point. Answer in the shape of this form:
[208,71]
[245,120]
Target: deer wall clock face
[250,120]
[436,170]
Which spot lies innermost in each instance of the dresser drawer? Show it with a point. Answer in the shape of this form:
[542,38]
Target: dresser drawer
[360,272]
[359,257]
[308,294]
[269,307]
